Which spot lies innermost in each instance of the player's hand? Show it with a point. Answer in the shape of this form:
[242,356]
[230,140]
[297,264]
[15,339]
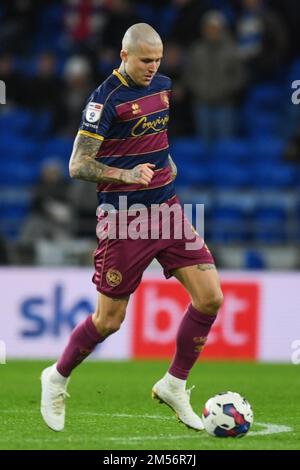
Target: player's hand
[140,174]
[173,167]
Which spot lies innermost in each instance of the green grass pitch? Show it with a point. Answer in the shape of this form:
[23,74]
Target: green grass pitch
[111,407]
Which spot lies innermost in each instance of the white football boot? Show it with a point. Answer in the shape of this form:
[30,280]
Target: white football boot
[178,399]
[53,399]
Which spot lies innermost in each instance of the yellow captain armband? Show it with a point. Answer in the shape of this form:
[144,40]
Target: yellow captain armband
[90,134]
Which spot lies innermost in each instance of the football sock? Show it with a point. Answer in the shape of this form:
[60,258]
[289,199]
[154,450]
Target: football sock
[174,382]
[190,340]
[83,340]
[56,377]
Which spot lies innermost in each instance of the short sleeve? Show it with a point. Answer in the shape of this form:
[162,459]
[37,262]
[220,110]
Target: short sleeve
[97,115]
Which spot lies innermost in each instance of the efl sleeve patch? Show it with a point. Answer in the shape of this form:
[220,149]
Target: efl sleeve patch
[93,112]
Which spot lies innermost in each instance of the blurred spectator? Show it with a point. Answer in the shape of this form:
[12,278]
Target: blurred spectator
[107,59]
[186,23]
[214,75]
[292,151]
[83,199]
[14,84]
[78,85]
[84,22]
[181,118]
[262,39]
[51,216]
[289,13]
[44,89]
[172,63]
[120,16]
[20,21]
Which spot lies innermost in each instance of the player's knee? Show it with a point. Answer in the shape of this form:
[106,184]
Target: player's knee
[111,327]
[214,302]
[109,322]
[108,326]
[211,304]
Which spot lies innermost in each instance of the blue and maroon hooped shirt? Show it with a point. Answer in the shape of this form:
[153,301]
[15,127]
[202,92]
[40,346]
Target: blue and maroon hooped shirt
[132,123]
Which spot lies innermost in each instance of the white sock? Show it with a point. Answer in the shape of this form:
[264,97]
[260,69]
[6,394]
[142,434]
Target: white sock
[174,381]
[56,377]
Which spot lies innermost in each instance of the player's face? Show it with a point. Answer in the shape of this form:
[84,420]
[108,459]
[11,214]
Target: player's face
[142,63]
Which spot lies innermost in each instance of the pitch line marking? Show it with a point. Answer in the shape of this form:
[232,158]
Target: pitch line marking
[268,428]
[125,415]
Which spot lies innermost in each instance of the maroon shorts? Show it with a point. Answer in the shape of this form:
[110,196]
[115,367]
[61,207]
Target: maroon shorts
[120,260]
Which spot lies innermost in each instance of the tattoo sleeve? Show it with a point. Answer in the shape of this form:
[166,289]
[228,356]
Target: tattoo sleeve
[83,164]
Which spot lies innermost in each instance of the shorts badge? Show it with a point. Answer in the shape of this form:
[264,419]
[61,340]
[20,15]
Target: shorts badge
[113,277]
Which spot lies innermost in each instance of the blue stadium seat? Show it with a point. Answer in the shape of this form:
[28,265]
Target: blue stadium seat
[18,149]
[59,148]
[227,225]
[274,176]
[267,149]
[229,176]
[270,225]
[185,150]
[254,260]
[193,175]
[266,96]
[244,201]
[49,34]
[231,150]
[12,216]
[18,122]
[14,210]
[24,124]
[19,173]
[42,124]
[262,123]
[190,156]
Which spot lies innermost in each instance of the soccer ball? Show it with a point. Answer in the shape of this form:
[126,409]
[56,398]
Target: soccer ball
[227,414]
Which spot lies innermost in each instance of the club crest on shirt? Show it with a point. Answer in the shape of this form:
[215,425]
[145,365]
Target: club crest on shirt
[93,111]
[164,98]
[135,108]
[113,277]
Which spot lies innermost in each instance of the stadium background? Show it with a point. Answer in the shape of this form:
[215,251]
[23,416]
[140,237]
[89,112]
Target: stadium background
[247,176]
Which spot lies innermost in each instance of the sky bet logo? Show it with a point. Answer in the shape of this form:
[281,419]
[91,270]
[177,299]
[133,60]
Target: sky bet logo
[51,315]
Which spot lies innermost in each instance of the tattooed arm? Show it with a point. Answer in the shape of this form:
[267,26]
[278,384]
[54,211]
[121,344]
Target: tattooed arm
[173,167]
[84,166]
